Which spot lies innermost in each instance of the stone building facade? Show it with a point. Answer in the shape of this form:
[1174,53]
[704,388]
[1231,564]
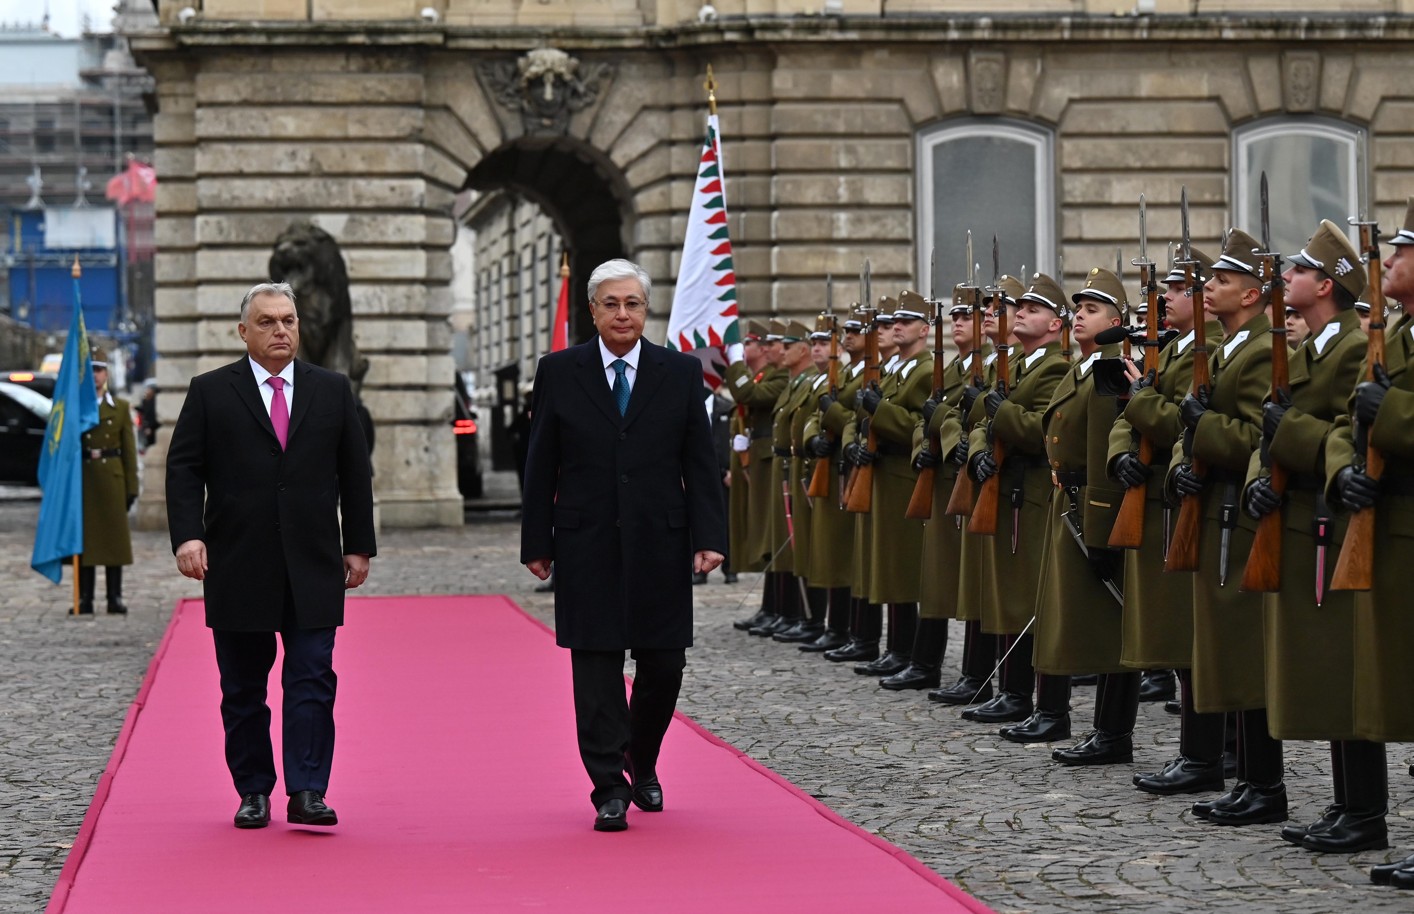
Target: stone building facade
[851,130]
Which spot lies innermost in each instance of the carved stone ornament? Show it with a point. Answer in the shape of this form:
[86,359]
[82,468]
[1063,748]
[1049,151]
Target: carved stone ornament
[1301,77]
[987,81]
[546,86]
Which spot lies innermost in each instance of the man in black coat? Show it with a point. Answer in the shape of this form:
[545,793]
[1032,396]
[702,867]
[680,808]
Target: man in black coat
[622,493]
[265,455]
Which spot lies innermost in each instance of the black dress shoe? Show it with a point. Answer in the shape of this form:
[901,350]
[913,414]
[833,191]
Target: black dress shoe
[1041,727]
[116,606]
[827,641]
[1349,834]
[306,807]
[1297,833]
[854,650]
[254,811]
[800,634]
[1183,776]
[1007,706]
[1204,808]
[1258,806]
[1173,707]
[1158,685]
[1380,873]
[612,816]
[765,626]
[746,625]
[85,607]
[912,677]
[699,577]
[965,691]
[886,665]
[1402,878]
[729,577]
[648,794]
[1099,748]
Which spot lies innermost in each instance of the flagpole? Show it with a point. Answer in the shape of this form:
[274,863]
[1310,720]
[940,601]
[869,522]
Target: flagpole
[76,272]
[711,86]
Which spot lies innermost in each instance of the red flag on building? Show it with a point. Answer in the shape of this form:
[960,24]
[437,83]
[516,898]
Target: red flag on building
[560,330]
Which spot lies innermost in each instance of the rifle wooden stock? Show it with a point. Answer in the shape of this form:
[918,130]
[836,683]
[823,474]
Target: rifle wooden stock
[860,495]
[963,490]
[920,505]
[983,519]
[1263,572]
[1128,531]
[819,479]
[820,476]
[1183,545]
[1355,569]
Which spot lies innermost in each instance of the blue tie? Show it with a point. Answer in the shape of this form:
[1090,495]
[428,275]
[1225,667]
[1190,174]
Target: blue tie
[620,384]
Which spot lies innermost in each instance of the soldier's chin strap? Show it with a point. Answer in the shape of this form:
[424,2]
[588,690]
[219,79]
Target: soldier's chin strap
[1002,662]
[762,578]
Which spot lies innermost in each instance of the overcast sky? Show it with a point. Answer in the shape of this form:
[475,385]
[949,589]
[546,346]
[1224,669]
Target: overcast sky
[65,16]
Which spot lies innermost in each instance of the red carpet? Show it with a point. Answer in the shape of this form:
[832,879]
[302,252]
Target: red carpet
[460,789]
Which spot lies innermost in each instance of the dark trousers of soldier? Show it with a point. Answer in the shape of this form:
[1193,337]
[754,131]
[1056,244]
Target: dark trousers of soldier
[1116,703]
[903,623]
[1201,737]
[837,617]
[809,623]
[787,604]
[113,578]
[1355,821]
[925,658]
[979,660]
[1259,796]
[866,627]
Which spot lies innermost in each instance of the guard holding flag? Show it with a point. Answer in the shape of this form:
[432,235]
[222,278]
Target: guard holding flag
[109,489]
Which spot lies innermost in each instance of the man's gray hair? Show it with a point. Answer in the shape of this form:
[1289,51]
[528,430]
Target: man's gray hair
[265,288]
[620,269]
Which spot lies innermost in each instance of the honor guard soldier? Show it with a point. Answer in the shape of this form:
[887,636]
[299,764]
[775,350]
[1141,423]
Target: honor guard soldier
[831,527]
[1011,557]
[756,380]
[110,487]
[1381,418]
[1308,626]
[896,541]
[979,648]
[1224,425]
[1079,607]
[1158,611]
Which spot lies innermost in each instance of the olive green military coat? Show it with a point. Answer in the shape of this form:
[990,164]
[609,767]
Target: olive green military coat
[1158,609]
[940,575]
[786,534]
[758,393]
[1013,575]
[896,541]
[973,578]
[108,483]
[832,554]
[1228,669]
[1383,624]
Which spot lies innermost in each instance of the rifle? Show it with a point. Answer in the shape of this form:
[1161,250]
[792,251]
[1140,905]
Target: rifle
[871,370]
[820,476]
[860,496]
[984,514]
[1183,547]
[1264,562]
[1355,570]
[960,501]
[1128,530]
[920,504]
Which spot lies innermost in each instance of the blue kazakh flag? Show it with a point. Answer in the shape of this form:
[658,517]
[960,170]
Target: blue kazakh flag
[60,531]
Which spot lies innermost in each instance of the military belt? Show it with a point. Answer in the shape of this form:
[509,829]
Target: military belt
[759,433]
[101,453]
[1069,479]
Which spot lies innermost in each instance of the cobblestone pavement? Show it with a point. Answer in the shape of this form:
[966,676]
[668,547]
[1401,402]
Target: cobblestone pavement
[1005,823]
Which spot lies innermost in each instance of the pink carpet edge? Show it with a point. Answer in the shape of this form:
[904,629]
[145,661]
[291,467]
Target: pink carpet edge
[58,900]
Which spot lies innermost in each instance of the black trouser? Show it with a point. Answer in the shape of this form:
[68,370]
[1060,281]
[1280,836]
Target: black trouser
[615,731]
[308,684]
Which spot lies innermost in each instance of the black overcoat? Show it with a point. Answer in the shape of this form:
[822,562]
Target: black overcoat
[266,514]
[621,503]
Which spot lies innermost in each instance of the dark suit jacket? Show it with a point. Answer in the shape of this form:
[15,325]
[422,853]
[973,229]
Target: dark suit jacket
[621,503]
[270,515]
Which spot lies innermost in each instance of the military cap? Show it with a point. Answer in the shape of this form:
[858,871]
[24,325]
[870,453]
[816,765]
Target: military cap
[961,299]
[755,330]
[776,331]
[1045,291]
[1205,267]
[1405,235]
[1237,256]
[855,321]
[1103,285]
[1332,253]
[795,332]
[98,357]
[1142,307]
[1012,289]
[886,308]
[824,326]
[911,307]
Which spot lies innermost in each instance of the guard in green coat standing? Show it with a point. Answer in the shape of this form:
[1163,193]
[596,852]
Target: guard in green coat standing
[109,489]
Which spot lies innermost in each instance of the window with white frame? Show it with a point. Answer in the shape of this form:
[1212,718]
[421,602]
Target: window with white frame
[1312,166]
[990,176]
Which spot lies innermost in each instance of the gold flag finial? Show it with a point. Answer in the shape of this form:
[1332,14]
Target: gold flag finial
[564,264]
[76,272]
[711,86]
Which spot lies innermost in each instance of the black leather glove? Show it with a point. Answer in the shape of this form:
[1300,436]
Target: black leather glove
[926,458]
[1132,471]
[984,466]
[870,397]
[851,452]
[1369,395]
[827,400]
[930,406]
[1261,499]
[1192,407]
[819,446]
[970,393]
[132,499]
[1273,411]
[863,457]
[1186,482]
[993,402]
[1145,380]
[959,452]
[1355,490]
[1107,564]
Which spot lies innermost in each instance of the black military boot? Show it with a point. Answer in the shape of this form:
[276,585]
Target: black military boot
[1013,701]
[768,605]
[903,621]
[867,627]
[1112,740]
[1051,721]
[1158,685]
[836,633]
[1259,764]
[925,668]
[979,656]
[783,605]
[114,576]
[812,626]
[1199,766]
[1361,827]
[1297,833]
[87,579]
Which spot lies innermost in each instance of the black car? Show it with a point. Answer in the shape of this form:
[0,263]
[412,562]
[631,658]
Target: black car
[24,415]
[38,381]
[464,432]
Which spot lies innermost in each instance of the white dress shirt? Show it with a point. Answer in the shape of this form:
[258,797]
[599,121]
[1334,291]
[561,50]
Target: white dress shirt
[267,393]
[631,358]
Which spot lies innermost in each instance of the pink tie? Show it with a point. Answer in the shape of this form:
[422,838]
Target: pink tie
[279,411]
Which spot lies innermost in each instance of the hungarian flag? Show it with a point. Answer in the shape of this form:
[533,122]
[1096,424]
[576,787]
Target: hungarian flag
[136,184]
[560,330]
[703,320]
